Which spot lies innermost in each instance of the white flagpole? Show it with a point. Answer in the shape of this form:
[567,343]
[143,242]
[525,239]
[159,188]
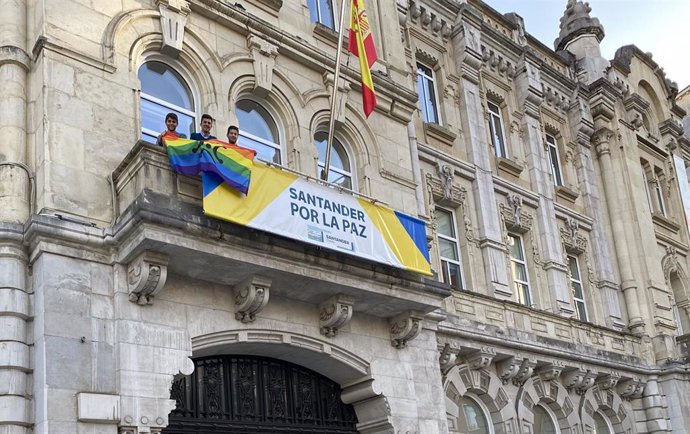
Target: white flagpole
[336,79]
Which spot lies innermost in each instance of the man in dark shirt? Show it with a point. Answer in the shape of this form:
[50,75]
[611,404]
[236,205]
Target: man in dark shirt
[206,125]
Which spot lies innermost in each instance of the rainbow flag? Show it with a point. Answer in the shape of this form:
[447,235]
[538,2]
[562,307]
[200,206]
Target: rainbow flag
[231,163]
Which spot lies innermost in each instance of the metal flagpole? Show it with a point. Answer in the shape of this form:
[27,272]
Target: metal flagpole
[336,79]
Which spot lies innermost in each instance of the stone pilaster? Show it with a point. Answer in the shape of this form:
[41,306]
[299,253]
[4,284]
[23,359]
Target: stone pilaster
[15,404]
[15,176]
[466,40]
[530,97]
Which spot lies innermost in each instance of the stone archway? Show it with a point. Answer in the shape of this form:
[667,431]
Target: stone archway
[550,394]
[339,365]
[608,402]
[485,386]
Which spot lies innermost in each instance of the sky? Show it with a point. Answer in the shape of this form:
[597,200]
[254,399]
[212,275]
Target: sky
[661,27]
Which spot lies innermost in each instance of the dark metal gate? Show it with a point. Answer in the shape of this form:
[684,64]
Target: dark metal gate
[247,394]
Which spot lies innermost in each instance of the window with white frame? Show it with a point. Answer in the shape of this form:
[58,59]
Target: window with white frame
[554,160]
[658,190]
[163,90]
[577,288]
[258,130]
[544,420]
[321,11]
[518,266]
[428,97]
[340,170]
[647,186]
[449,249]
[496,130]
[601,424]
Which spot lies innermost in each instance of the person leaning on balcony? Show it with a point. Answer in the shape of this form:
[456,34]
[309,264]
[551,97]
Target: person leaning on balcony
[206,125]
[171,125]
[233,134]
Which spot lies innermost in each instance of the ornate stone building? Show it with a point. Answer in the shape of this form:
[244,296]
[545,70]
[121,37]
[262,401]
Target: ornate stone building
[551,181]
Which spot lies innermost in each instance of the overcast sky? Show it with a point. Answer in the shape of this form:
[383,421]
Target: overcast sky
[661,27]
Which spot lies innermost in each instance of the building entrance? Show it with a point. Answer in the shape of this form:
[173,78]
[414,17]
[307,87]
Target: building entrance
[248,394]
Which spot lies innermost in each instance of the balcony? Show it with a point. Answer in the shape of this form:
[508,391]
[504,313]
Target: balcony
[161,215]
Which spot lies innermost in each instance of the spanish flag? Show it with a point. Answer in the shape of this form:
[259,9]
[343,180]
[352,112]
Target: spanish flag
[361,44]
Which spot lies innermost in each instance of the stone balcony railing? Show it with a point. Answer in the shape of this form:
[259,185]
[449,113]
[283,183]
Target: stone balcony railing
[162,212]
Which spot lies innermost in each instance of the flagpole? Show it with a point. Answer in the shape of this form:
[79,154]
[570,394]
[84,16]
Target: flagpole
[336,79]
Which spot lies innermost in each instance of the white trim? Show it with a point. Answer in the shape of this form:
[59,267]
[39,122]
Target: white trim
[556,169]
[582,288]
[485,410]
[431,78]
[522,262]
[493,116]
[281,134]
[456,242]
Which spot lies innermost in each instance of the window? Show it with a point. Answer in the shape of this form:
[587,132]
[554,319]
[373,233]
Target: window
[339,172]
[658,190]
[449,249]
[473,418]
[554,161]
[543,421]
[601,425]
[426,88]
[647,185]
[654,180]
[577,288]
[321,11]
[518,266]
[258,130]
[163,91]
[496,130]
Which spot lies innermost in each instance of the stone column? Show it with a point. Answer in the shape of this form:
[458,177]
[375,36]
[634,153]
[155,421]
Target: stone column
[601,142]
[654,404]
[15,191]
[530,96]
[467,47]
[15,404]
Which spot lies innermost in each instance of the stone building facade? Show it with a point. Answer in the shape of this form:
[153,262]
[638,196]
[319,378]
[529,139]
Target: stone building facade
[551,181]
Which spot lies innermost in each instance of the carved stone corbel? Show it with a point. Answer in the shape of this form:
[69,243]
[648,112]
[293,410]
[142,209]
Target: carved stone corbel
[264,55]
[173,20]
[524,372]
[146,276]
[335,313]
[513,216]
[507,369]
[251,296]
[550,371]
[341,100]
[405,327]
[481,358]
[608,381]
[631,388]
[578,379]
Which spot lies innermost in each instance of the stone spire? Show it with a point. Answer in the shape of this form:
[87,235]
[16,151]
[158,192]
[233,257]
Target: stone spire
[575,22]
[580,35]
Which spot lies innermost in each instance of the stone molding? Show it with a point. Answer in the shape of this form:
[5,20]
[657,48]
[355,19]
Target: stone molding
[578,379]
[631,388]
[335,313]
[251,296]
[572,240]
[481,358]
[442,190]
[514,218]
[608,381]
[146,276]
[550,371]
[404,328]
[429,20]
[173,21]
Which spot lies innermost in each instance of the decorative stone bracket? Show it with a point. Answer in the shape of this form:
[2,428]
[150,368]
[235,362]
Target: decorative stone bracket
[631,388]
[404,328]
[251,296]
[579,379]
[146,276]
[335,313]
[173,20]
[516,369]
[264,56]
[550,371]
[481,358]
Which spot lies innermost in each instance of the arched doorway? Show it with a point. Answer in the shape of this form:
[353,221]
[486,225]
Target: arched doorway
[233,394]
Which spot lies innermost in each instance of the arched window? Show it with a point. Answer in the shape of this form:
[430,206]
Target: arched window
[543,421]
[163,90]
[340,171]
[473,418]
[601,425]
[258,130]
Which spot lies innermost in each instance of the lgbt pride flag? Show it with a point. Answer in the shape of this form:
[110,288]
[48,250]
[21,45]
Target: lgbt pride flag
[232,164]
[287,204]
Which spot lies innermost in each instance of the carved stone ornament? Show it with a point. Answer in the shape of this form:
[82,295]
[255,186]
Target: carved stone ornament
[579,379]
[127,430]
[442,190]
[608,381]
[481,358]
[515,219]
[571,238]
[507,369]
[631,388]
[264,55]
[550,371]
[251,296]
[146,276]
[429,20]
[335,313]
[405,327]
[670,263]
[447,358]
[173,20]
[524,372]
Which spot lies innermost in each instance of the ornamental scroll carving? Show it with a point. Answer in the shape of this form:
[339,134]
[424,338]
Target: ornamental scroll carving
[573,241]
[251,296]
[579,379]
[515,219]
[404,328]
[442,190]
[335,313]
[146,276]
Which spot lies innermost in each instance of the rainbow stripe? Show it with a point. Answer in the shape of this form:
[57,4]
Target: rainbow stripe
[231,163]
